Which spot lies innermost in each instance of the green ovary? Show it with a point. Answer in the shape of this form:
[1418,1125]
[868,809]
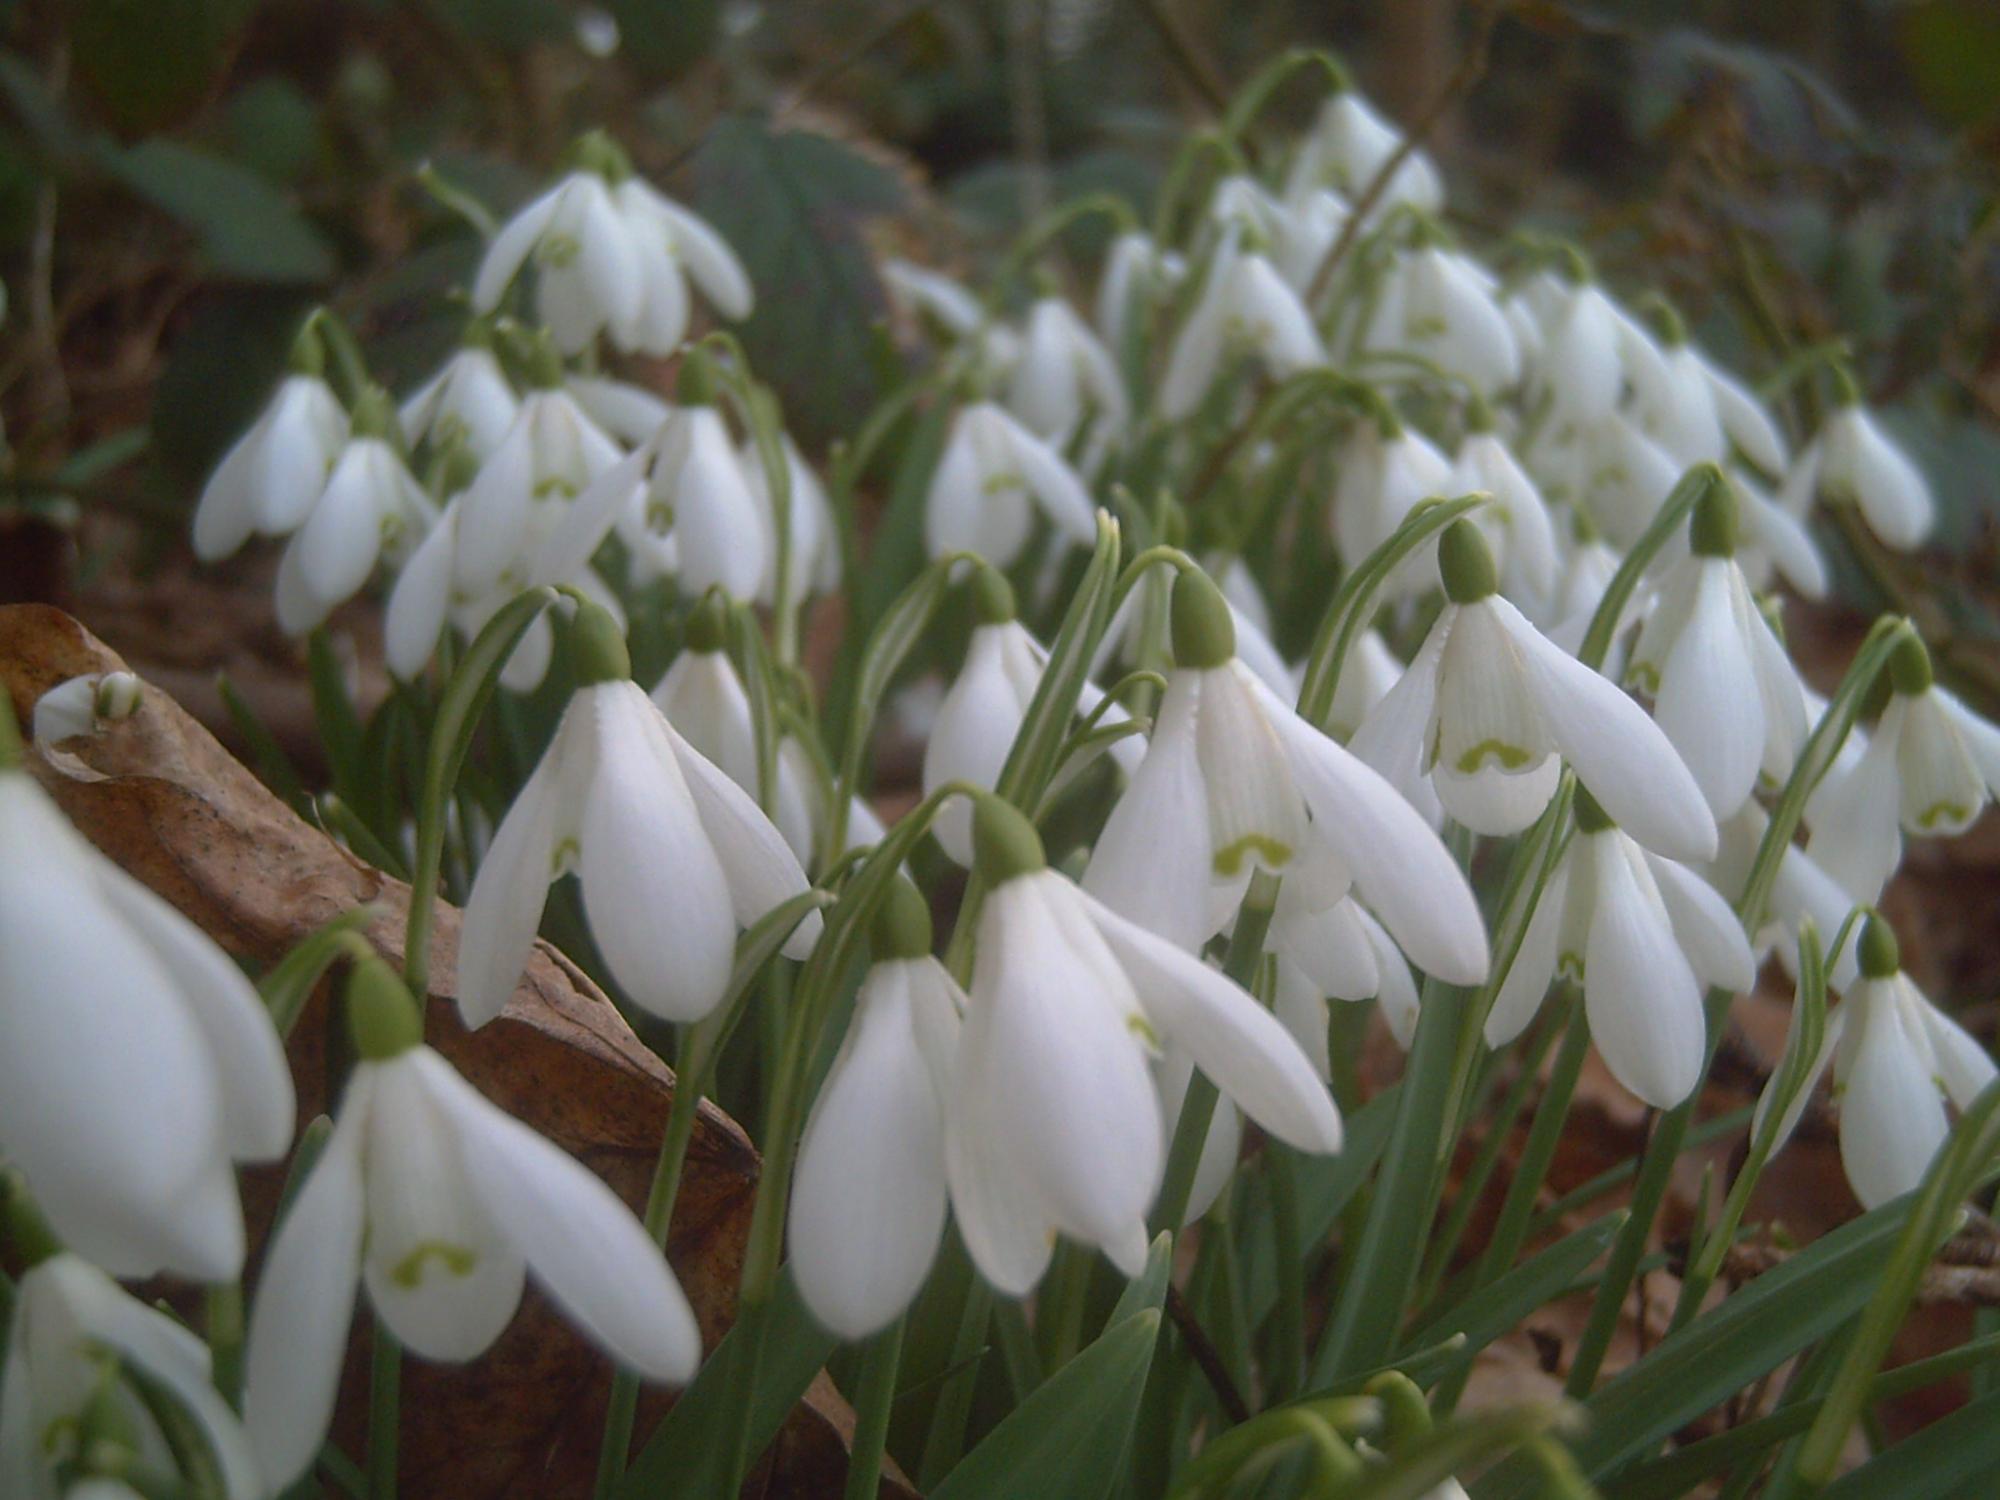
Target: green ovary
[1269,851]
[1509,757]
[457,1260]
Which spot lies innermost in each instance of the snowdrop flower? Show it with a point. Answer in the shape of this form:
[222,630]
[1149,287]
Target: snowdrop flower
[1931,766]
[136,1061]
[1052,1121]
[62,1408]
[868,1198]
[1851,458]
[1582,363]
[1245,305]
[1329,946]
[919,291]
[468,401]
[267,482]
[1385,471]
[815,555]
[1441,306]
[1624,479]
[1801,891]
[84,705]
[611,255]
[1307,236]
[1137,273]
[1225,787]
[440,1202]
[1722,687]
[1643,935]
[1490,709]
[1896,1060]
[991,468]
[529,485]
[983,710]
[697,519]
[1516,521]
[1349,145]
[705,701]
[628,413]
[673,856]
[1065,383]
[1370,671]
[1696,411]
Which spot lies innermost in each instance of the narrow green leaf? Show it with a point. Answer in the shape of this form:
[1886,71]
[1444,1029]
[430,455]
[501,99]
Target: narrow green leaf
[247,228]
[1149,1288]
[1466,1442]
[290,982]
[1500,1306]
[274,767]
[1954,1457]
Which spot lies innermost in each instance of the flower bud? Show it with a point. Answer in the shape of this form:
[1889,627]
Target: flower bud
[1406,1415]
[597,647]
[902,926]
[1910,666]
[708,624]
[695,384]
[381,1017]
[308,354]
[374,415]
[1465,563]
[1004,842]
[1203,631]
[1712,529]
[992,596]
[1880,957]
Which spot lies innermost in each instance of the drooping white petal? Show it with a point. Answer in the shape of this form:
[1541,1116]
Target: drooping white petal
[1709,702]
[1534,968]
[1153,860]
[581,1244]
[975,728]
[1864,465]
[305,1300]
[868,1197]
[1231,1038]
[1255,817]
[420,601]
[1642,1000]
[508,894]
[710,260]
[1943,790]
[1964,1068]
[1892,1117]
[512,246]
[1710,934]
[1616,751]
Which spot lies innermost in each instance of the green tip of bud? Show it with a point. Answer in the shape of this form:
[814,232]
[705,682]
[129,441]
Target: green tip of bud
[456,468]
[24,1233]
[1880,957]
[1846,389]
[374,414]
[597,647]
[1173,522]
[694,384]
[1406,1414]
[992,596]
[1465,563]
[1004,843]
[595,151]
[902,927]
[1204,631]
[381,1017]
[541,364]
[1667,319]
[708,623]
[1590,814]
[1910,666]
[1712,528]
[308,354]
[1479,415]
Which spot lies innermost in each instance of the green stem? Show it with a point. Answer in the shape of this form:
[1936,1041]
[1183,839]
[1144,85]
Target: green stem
[946,1438]
[225,1339]
[1288,1343]
[1060,1309]
[873,1401]
[385,1397]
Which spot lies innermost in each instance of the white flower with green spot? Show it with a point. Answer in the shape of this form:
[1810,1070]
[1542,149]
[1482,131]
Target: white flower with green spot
[440,1203]
[992,477]
[1851,458]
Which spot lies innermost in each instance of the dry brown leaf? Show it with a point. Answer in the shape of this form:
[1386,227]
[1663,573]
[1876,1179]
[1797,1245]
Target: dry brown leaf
[159,796]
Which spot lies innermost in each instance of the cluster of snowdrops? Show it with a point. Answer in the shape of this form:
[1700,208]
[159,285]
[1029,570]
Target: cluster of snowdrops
[1314,566]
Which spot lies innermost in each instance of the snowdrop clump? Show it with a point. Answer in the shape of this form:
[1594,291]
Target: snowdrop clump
[1476,711]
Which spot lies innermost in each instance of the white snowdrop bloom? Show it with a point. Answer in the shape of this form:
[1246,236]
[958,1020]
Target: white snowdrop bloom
[676,245]
[1582,364]
[1800,891]
[84,705]
[440,1203]
[991,477]
[1311,227]
[1896,1060]
[1441,306]
[1644,936]
[524,491]
[468,401]
[1244,306]
[1745,419]
[628,413]
[919,291]
[267,482]
[1334,951]
[707,704]
[1065,385]
[1383,475]
[1136,276]
[982,711]
[1776,540]
[1491,709]
[590,273]
[868,1197]
[674,857]
[1626,477]
[136,1061]
[1722,687]
[1516,522]
[1697,412]
[1052,1121]
[1851,458]
[1349,145]
[696,517]
[815,555]
[1226,785]
[70,1322]
[1930,768]
[1370,671]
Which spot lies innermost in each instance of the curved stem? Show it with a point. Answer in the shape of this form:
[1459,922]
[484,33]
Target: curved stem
[873,1402]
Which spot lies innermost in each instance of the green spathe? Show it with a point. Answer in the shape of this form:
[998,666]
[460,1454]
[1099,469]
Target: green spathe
[1203,630]
[1465,563]
[1713,527]
[1880,956]
[992,596]
[902,927]
[1910,670]
[708,623]
[597,647]
[381,1017]
[1005,843]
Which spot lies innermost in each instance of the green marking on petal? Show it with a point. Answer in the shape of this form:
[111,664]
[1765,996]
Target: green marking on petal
[1569,964]
[1269,852]
[563,860]
[1645,676]
[458,1260]
[1000,483]
[1142,1028]
[556,250]
[1509,757]
[555,484]
[1944,815]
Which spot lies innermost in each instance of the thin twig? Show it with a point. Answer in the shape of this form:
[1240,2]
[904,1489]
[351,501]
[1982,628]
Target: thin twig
[1202,74]
[1206,1356]
[1456,87]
